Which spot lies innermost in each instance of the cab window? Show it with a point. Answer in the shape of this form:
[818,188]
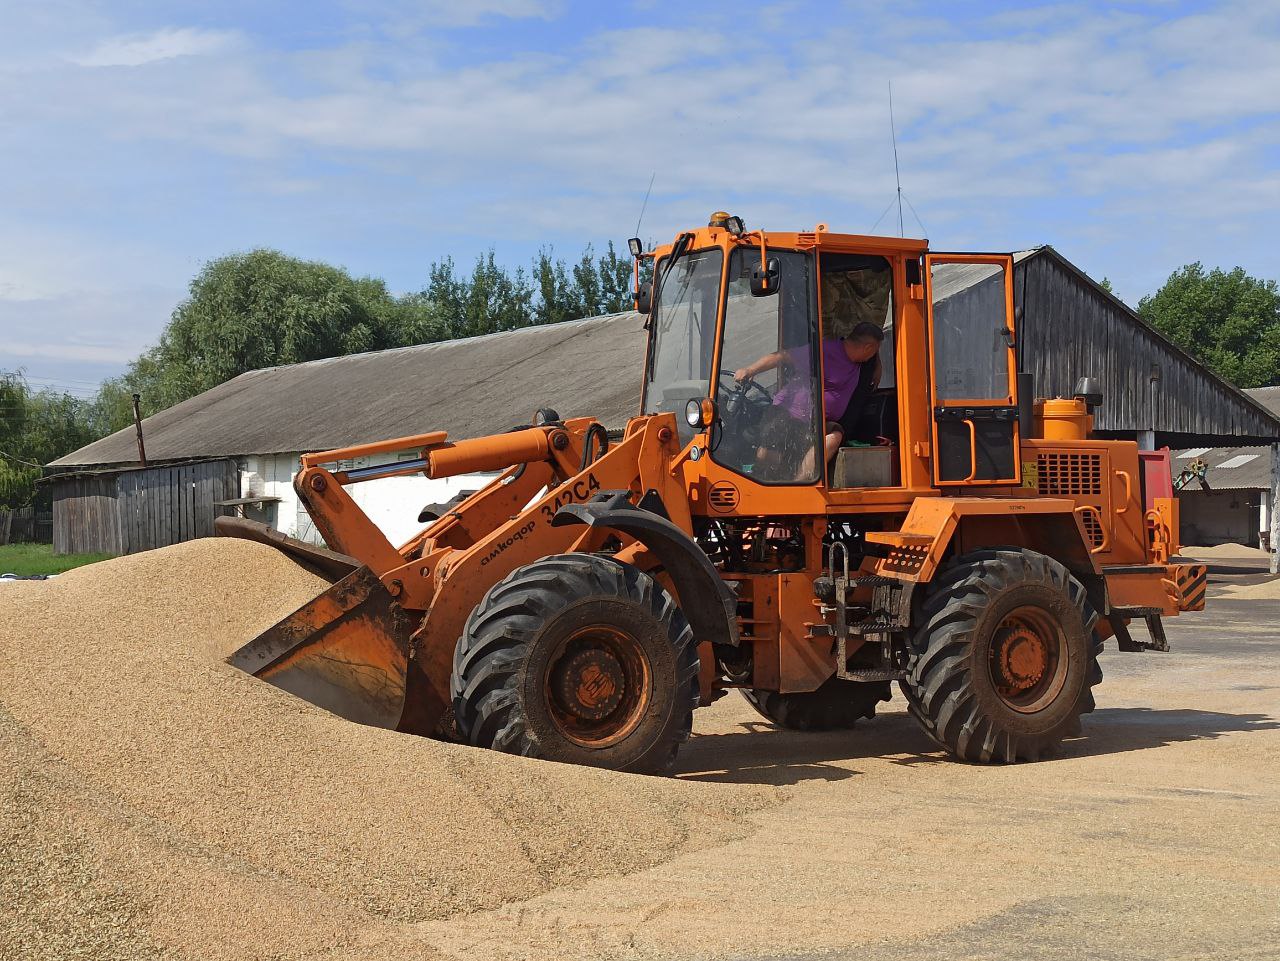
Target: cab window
[768,386]
[682,338]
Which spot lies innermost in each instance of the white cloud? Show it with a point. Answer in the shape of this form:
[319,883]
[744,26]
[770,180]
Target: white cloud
[168,44]
[82,336]
[1133,141]
[405,17]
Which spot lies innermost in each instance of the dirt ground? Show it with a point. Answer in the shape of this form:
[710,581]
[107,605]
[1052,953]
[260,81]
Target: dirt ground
[1156,836]
[156,803]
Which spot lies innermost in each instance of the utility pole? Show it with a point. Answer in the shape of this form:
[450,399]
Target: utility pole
[1274,509]
[137,426]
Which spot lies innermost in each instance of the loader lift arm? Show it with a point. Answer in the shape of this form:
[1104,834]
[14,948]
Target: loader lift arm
[410,604]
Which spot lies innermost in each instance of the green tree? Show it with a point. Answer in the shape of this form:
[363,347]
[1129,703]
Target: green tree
[263,309]
[558,297]
[58,423]
[35,428]
[616,275]
[17,474]
[495,300]
[1230,321]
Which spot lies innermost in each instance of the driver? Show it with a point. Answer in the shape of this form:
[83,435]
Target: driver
[846,361]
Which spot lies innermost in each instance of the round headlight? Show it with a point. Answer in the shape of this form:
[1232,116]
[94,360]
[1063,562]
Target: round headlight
[693,413]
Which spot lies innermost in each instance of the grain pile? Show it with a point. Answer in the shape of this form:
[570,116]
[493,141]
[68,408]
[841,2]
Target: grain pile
[1225,552]
[1264,591]
[154,800]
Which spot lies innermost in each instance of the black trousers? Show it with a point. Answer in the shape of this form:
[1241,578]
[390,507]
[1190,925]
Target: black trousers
[858,401]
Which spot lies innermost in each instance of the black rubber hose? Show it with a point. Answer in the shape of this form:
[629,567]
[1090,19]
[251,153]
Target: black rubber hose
[588,451]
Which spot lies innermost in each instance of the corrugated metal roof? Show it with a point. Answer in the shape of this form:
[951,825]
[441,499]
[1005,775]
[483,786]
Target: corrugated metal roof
[1253,473]
[467,387]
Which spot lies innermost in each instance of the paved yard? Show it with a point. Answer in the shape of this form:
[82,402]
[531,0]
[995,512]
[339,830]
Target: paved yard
[1155,836]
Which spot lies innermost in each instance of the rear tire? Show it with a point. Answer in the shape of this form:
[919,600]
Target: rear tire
[577,658]
[836,705]
[1006,658]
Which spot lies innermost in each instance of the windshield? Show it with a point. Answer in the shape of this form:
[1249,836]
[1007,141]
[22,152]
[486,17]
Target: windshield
[769,384]
[682,341]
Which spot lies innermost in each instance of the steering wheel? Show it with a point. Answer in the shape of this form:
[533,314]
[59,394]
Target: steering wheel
[736,394]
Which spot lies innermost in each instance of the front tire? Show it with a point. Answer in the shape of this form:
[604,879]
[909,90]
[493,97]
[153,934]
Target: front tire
[1005,660]
[577,658]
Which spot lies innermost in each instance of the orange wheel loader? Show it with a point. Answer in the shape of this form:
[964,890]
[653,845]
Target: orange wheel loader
[952,533]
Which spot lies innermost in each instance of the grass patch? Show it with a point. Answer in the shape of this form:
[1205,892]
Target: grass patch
[40,559]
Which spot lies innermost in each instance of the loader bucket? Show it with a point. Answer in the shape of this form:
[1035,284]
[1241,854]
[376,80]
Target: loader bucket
[318,560]
[347,651]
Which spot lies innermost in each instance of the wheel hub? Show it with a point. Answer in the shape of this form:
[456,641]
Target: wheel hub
[1020,658]
[590,684]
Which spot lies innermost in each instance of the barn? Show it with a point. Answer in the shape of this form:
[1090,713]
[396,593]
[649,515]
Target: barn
[235,448]
[248,433]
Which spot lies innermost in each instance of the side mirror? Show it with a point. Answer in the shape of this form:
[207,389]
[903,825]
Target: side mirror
[644,297]
[766,280]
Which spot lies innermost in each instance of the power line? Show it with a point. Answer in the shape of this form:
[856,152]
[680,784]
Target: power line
[62,380]
[19,460]
[64,384]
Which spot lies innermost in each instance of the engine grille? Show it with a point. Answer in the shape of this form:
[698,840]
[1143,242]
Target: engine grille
[1071,474]
[1092,528]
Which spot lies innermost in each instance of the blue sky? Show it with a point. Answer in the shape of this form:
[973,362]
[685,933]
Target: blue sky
[139,140]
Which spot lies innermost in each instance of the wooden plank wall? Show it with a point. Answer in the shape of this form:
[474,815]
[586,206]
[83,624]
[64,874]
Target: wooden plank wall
[166,505]
[85,516]
[141,510]
[1071,330]
[26,525]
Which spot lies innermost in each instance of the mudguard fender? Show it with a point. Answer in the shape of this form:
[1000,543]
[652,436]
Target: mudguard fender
[704,597]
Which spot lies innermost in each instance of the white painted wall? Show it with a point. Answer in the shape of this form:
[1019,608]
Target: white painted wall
[392,503]
[1214,517]
[1264,515]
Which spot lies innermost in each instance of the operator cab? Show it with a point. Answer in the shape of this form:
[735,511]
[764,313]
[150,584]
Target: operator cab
[766,374]
[749,331]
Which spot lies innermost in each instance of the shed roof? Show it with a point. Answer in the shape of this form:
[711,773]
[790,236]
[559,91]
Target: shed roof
[467,387]
[1235,468]
[1069,327]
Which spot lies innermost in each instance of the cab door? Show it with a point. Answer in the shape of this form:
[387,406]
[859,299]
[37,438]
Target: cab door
[973,383]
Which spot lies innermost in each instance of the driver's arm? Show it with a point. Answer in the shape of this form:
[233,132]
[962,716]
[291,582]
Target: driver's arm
[767,362]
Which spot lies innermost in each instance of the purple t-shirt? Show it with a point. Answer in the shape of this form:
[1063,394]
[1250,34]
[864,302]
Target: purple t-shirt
[839,381]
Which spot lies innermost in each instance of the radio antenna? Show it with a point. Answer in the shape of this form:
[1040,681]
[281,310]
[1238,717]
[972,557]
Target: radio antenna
[893,133]
[645,204]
